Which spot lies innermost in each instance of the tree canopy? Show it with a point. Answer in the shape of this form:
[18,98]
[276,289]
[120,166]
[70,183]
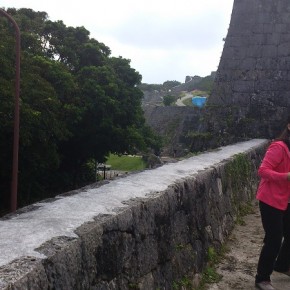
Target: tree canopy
[78,104]
[168,100]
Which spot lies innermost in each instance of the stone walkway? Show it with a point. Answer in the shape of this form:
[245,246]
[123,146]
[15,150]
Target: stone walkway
[238,268]
[179,101]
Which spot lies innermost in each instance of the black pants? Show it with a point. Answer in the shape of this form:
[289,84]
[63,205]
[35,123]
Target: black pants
[275,253]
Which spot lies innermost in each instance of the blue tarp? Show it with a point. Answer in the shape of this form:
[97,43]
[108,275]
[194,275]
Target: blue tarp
[198,101]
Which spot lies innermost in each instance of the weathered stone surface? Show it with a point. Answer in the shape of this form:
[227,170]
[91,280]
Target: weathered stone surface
[155,241]
[257,47]
[174,123]
[26,273]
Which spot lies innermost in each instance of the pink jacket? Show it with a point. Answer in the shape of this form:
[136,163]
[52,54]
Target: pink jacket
[274,188]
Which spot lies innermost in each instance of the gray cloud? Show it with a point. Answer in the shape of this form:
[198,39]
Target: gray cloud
[165,40]
[201,32]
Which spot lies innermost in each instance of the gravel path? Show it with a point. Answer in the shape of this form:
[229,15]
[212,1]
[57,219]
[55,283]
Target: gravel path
[238,268]
[179,101]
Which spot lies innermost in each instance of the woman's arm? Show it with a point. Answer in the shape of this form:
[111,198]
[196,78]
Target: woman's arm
[273,157]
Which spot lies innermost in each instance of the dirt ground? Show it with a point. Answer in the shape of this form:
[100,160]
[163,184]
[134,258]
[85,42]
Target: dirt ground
[238,268]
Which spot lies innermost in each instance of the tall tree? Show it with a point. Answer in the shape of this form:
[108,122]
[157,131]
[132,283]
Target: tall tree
[77,104]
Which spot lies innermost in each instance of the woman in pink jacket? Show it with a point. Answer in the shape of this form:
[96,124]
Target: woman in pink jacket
[274,195]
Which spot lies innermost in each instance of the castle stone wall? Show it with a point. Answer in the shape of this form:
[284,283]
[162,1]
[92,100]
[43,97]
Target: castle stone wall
[148,230]
[251,95]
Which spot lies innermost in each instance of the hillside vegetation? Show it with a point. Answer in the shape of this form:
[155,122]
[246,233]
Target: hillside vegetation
[78,104]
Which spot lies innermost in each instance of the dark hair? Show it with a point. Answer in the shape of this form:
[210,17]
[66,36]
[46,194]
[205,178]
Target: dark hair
[285,135]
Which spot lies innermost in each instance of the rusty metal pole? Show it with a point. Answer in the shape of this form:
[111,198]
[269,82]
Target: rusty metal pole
[14,181]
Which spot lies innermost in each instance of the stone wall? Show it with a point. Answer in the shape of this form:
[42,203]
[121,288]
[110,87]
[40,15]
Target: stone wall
[251,95]
[174,124]
[149,230]
[187,86]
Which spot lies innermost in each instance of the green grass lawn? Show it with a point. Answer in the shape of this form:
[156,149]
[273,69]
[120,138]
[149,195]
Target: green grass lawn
[126,162]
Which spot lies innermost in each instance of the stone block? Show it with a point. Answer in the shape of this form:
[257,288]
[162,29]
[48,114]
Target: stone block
[151,241]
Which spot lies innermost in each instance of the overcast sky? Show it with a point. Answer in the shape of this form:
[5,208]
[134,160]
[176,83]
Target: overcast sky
[165,40]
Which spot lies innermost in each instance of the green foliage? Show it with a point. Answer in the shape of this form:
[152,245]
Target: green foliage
[77,104]
[206,84]
[180,247]
[202,83]
[212,255]
[188,102]
[193,134]
[239,171]
[150,87]
[170,84]
[158,87]
[183,283]
[133,286]
[210,274]
[243,210]
[126,162]
[168,100]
